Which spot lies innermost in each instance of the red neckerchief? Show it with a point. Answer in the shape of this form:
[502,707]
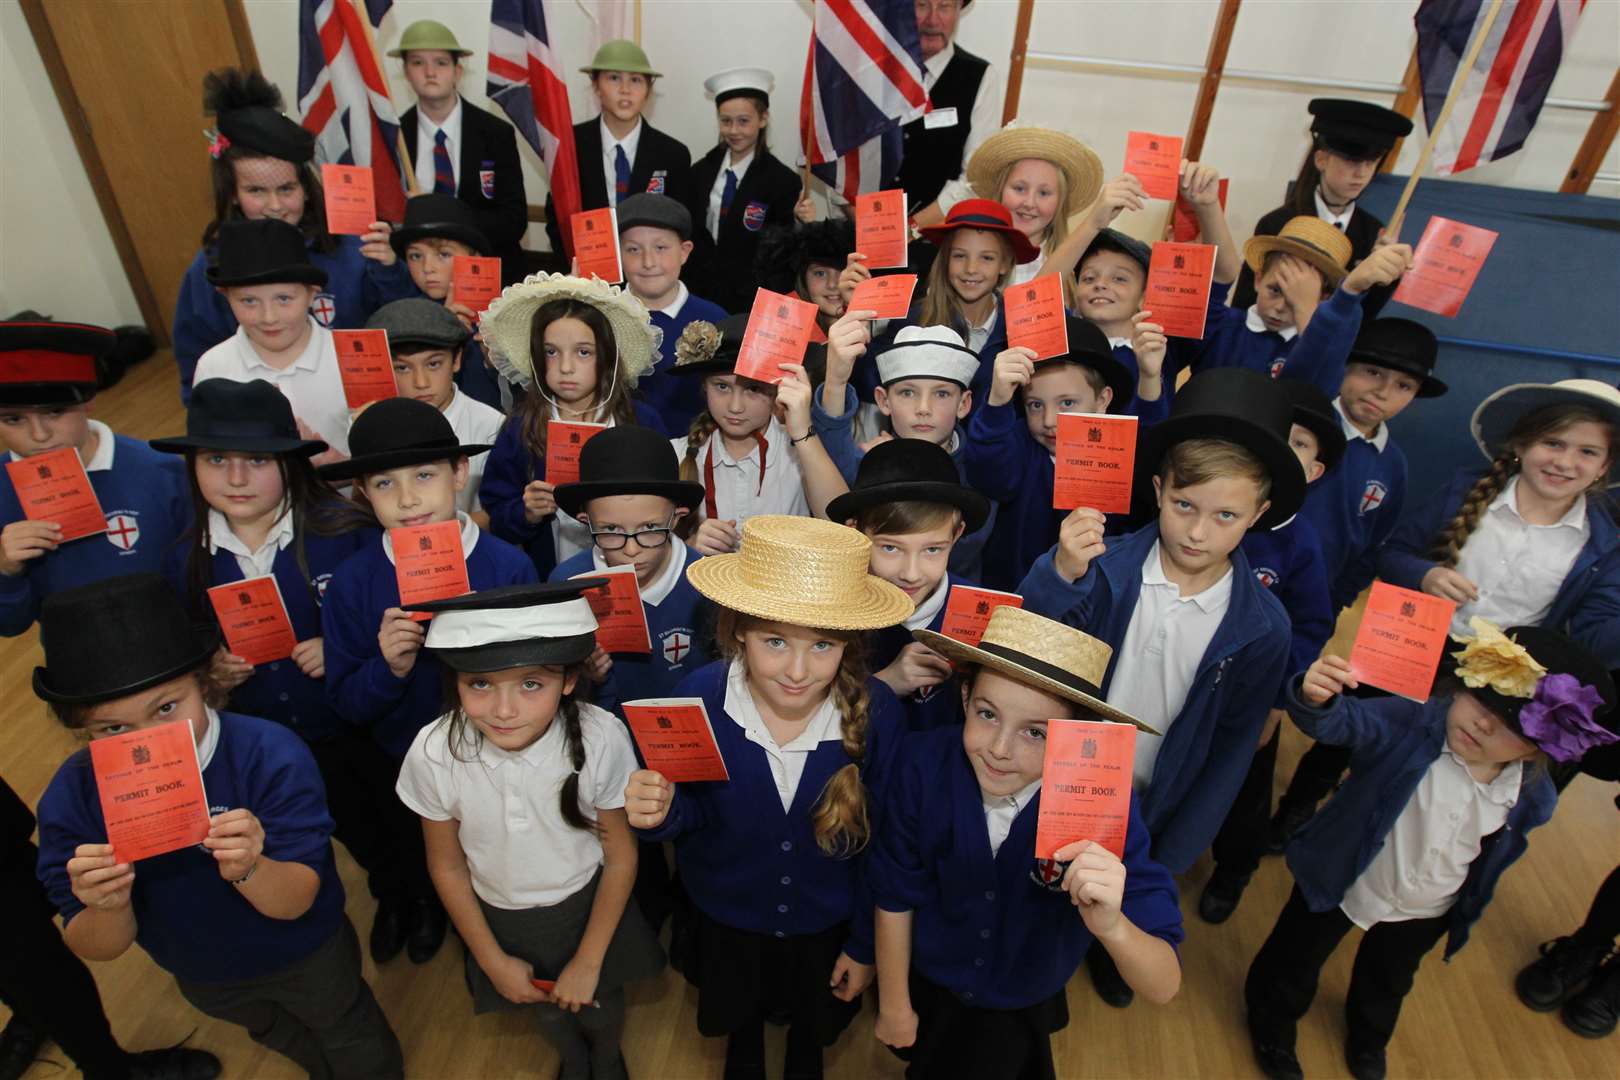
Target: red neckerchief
[709,505]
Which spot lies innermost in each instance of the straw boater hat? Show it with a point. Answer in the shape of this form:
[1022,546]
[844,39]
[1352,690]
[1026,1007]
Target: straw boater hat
[1047,655]
[1497,414]
[1078,163]
[802,571]
[506,324]
[1307,237]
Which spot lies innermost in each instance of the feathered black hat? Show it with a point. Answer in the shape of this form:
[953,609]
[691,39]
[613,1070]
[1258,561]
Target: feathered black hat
[786,251]
[248,113]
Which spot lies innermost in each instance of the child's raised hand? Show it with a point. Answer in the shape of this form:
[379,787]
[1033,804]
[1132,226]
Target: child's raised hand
[400,639]
[847,340]
[1300,282]
[877,440]
[98,879]
[1326,679]
[599,665]
[1080,540]
[917,666]
[715,537]
[576,985]
[1200,183]
[21,541]
[310,656]
[237,840]
[853,274]
[793,401]
[849,978]
[805,209]
[539,501]
[514,980]
[896,1027]
[229,670]
[468,317]
[1448,584]
[1382,266]
[1149,344]
[1123,192]
[1014,367]
[646,798]
[1095,882]
[374,243]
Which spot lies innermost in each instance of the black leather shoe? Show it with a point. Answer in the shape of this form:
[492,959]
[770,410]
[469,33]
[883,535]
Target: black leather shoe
[1594,1011]
[387,931]
[20,1045]
[426,923]
[1221,895]
[1105,977]
[175,1063]
[1366,1062]
[1564,966]
[1284,824]
[1276,1061]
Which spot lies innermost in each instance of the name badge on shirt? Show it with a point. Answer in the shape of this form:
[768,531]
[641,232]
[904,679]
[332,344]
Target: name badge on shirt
[940,118]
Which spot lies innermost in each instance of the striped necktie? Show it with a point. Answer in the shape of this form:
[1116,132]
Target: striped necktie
[621,174]
[444,175]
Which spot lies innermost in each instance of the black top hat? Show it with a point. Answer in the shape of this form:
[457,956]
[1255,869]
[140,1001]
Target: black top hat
[1402,345]
[658,211]
[433,216]
[1314,412]
[249,417]
[724,359]
[513,625]
[1128,246]
[1238,406]
[910,470]
[1089,348]
[627,460]
[50,363]
[117,637]
[396,432]
[264,251]
[1560,656]
[1356,129]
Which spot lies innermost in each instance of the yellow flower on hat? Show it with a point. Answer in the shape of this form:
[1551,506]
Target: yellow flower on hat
[1491,658]
[698,343]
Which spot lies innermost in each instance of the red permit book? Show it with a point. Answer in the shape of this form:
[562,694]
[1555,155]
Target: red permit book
[1085,785]
[676,739]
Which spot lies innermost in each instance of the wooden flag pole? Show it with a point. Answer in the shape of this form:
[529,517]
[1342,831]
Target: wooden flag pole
[1015,63]
[411,188]
[1458,81]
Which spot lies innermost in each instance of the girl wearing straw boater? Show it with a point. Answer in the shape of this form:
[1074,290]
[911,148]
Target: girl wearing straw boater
[520,787]
[976,938]
[578,348]
[773,859]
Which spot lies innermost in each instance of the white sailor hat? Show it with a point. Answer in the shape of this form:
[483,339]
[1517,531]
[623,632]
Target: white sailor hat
[928,352]
[729,84]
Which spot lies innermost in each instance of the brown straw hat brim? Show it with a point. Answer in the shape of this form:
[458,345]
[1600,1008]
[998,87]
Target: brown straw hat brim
[871,605]
[1080,165]
[1258,247]
[961,652]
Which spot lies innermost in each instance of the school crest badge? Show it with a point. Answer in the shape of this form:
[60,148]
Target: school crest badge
[1277,365]
[1048,874]
[486,179]
[321,581]
[123,530]
[657,182]
[754,216]
[676,645]
[324,308]
[1372,497]
[1266,576]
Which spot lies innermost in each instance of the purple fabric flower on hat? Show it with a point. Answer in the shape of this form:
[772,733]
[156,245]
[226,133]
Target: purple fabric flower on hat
[1559,718]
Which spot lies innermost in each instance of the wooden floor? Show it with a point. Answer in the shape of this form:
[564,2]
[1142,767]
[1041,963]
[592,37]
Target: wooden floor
[1462,1020]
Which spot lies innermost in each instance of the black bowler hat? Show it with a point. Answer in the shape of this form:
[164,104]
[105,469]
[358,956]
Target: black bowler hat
[431,216]
[1560,656]
[1357,130]
[1238,406]
[247,111]
[513,626]
[910,470]
[1313,411]
[397,432]
[50,363]
[248,417]
[1089,348]
[627,460]
[117,637]
[709,348]
[1402,345]
[264,251]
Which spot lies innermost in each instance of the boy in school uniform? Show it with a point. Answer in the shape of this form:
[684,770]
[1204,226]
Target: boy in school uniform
[428,343]
[619,153]
[655,241]
[265,275]
[46,391]
[1014,461]
[1200,645]
[250,922]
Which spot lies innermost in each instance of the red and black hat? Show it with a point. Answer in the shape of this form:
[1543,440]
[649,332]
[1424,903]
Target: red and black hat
[987,215]
[50,363]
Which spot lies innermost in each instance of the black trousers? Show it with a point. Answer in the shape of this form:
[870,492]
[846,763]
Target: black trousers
[1602,924]
[1282,980]
[1316,775]
[381,833]
[1241,842]
[44,984]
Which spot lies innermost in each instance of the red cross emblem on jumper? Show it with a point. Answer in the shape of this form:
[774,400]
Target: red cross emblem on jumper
[676,646]
[323,308]
[1049,873]
[123,531]
[1372,497]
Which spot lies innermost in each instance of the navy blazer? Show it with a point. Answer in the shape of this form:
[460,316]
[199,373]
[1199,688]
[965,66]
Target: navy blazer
[491,182]
[662,166]
[723,270]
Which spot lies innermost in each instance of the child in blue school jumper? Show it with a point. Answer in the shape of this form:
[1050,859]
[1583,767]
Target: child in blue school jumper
[910,502]
[577,348]
[780,920]
[1288,561]
[1200,645]
[1012,458]
[1441,798]
[263,167]
[249,922]
[976,938]
[1355,509]
[45,402]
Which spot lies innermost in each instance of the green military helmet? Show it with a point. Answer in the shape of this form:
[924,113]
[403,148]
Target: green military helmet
[426,35]
[621,56]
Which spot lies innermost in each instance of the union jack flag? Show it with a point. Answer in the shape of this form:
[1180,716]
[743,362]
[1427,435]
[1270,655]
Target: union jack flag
[862,82]
[1503,94]
[343,96]
[526,79]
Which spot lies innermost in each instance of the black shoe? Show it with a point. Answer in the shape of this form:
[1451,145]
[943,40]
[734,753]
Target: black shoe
[20,1045]
[1105,977]
[1366,1062]
[1564,966]
[1220,897]
[1594,1011]
[803,1060]
[427,924]
[1276,1061]
[175,1063]
[387,931]
[745,1054]
[1284,824]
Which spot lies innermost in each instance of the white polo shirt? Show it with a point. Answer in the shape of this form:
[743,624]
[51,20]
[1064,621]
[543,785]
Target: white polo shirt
[1518,567]
[311,382]
[256,563]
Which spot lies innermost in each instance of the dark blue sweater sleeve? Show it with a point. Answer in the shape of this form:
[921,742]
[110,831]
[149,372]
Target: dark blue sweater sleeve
[202,320]
[837,436]
[992,455]
[1319,354]
[1360,570]
[359,684]
[1404,559]
[507,471]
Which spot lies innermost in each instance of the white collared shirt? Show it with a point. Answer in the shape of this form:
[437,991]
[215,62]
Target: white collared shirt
[1159,658]
[260,561]
[1027,271]
[520,851]
[1000,813]
[673,309]
[978,335]
[985,117]
[475,424]
[1340,220]
[609,173]
[470,533]
[425,131]
[210,740]
[662,585]
[1257,325]
[929,606]
[787,762]
[1380,438]
[102,459]
[312,382]
[739,492]
[1116,342]
[1518,567]
[1439,832]
[711,220]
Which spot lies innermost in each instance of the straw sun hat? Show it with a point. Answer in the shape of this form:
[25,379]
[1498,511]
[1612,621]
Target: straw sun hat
[505,325]
[803,571]
[1047,655]
[1305,237]
[1078,163]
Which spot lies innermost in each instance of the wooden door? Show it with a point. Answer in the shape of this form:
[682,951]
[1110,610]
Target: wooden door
[129,74]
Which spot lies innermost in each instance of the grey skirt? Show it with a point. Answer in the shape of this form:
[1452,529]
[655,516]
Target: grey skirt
[547,938]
